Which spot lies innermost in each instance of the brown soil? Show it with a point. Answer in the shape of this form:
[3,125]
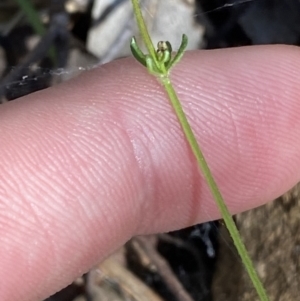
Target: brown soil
[271,234]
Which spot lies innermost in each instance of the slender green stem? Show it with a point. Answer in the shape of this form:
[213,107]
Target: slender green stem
[163,76]
[34,19]
[229,222]
[143,29]
[32,16]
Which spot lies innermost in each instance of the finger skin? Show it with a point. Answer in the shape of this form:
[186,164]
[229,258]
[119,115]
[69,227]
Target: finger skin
[88,164]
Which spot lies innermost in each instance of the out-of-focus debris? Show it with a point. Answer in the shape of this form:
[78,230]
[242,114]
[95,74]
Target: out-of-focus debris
[112,281]
[57,35]
[76,6]
[145,249]
[191,253]
[270,22]
[249,22]
[107,39]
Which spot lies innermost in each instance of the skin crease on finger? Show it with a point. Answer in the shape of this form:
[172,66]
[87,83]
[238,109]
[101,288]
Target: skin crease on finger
[89,163]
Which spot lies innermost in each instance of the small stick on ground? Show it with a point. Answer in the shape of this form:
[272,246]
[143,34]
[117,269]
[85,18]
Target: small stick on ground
[163,269]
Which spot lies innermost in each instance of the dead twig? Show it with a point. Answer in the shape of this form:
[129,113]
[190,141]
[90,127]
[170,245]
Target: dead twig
[163,268]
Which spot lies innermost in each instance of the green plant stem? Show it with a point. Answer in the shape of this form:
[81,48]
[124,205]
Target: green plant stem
[229,222]
[34,19]
[188,132]
[143,29]
[32,16]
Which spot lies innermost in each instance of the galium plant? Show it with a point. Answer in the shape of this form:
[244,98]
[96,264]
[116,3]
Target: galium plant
[159,62]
